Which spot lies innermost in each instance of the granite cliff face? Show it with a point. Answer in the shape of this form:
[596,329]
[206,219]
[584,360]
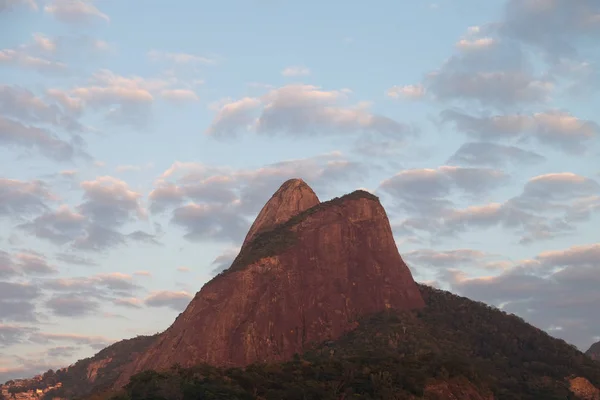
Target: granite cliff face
[594,351]
[296,281]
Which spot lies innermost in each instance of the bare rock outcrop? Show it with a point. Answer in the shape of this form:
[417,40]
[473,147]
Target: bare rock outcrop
[293,197]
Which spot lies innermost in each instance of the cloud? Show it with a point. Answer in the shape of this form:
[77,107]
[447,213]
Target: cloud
[72,306]
[16,134]
[179,95]
[10,5]
[21,104]
[125,100]
[556,289]
[13,334]
[19,58]
[74,11]
[7,267]
[557,27]
[17,301]
[21,198]
[33,264]
[412,92]
[109,201]
[550,205]
[426,191]
[493,155]
[300,110]
[108,204]
[50,337]
[177,301]
[295,71]
[475,44]
[447,259]
[180,58]
[62,352]
[100,286]
[75,259]
[553,128]
[130,302]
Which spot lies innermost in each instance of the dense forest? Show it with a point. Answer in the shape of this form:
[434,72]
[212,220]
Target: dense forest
[467,346]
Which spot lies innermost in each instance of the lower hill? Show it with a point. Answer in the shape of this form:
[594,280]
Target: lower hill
[454,348]
[93,374]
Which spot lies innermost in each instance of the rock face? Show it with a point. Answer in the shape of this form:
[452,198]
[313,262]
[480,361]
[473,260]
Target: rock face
[293,197]
[594,351]
[295,282]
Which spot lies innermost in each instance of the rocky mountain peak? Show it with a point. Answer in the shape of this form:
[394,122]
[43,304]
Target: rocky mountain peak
[308,271]
[292,197]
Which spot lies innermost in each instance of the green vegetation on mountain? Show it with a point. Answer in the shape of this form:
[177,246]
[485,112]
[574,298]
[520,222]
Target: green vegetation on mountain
[466,348]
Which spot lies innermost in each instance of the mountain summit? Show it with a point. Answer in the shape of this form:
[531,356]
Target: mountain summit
[293,197]
[305,274]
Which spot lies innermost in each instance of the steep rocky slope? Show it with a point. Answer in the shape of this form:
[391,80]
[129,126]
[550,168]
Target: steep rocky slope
[299,282]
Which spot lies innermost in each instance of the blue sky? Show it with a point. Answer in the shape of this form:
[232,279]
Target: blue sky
[138,140]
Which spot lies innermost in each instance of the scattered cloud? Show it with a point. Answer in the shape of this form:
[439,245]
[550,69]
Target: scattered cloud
[49,337]
[300,110]
[426,191]
[21,198]
[177,301]
[72,306]
[74,11]
[412,92]
[108,204]
[550,205]
[295,71]
[557,129]
[17,301]
[179,95]
[130,302]
[20,59]
[557,27]
[13,334]
[10,5]
[493,155]
[180,58]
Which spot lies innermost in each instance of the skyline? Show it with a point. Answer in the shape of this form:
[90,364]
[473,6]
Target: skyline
[138,144]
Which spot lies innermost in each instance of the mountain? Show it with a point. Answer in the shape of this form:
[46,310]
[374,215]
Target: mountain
[305,275]
[453,348]
[594,351]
